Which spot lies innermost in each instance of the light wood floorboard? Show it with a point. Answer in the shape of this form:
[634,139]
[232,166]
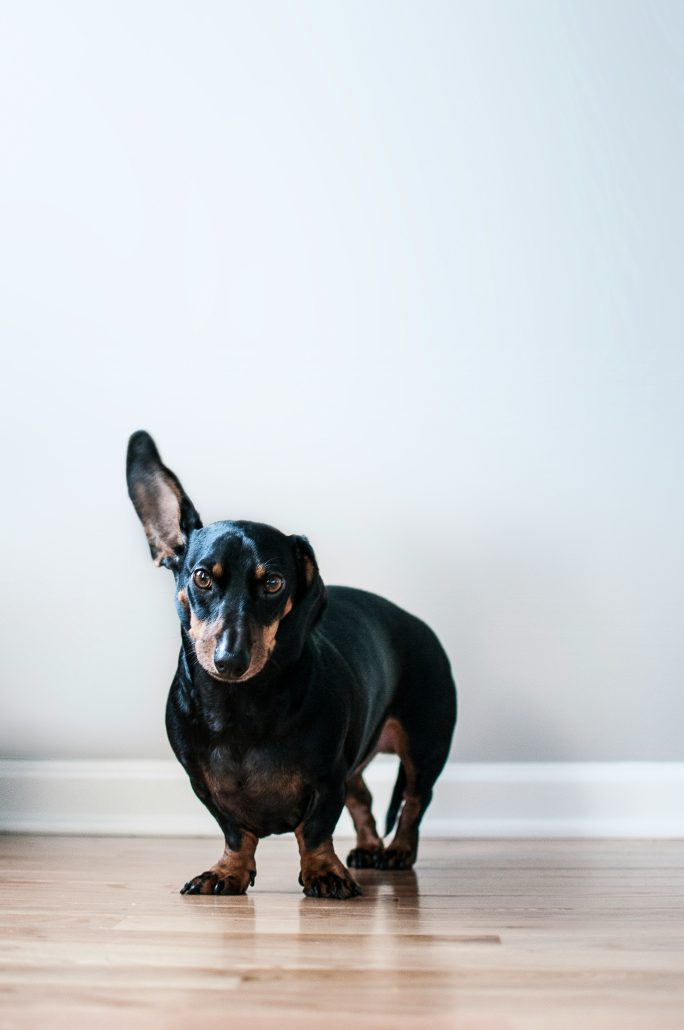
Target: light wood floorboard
[486,934]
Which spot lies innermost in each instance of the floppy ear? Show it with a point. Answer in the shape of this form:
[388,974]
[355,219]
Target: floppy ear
[165,510]
[308,605]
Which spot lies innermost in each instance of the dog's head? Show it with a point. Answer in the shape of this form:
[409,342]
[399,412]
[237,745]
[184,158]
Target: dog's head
[246,593]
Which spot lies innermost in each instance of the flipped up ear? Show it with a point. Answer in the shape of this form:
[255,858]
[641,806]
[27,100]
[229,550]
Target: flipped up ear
[165,510]
[308,605]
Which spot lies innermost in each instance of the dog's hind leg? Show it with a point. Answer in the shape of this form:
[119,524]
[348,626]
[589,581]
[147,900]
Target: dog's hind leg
[422,758]
[403,851]
[419,730]
[369,850]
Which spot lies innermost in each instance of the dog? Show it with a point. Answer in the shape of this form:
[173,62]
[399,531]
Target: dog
[285,690]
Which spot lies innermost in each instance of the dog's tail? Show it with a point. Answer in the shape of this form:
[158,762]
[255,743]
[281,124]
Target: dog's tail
[397,795]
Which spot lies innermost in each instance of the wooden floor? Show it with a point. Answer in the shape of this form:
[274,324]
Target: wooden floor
[505,934]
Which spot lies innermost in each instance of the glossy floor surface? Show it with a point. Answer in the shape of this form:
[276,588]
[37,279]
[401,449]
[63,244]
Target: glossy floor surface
[495,934]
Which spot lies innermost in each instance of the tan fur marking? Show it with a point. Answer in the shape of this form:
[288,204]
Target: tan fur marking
[183,598]
[239,866]
[217,570]
[394,740]
[251,788]
[205,638]
[288,782]
[319,861]
[405,839]
[268,636]
[264,646]
[260,572]
[358,801]
[235,860]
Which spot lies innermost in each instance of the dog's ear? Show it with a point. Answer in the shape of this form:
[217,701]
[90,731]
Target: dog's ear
[165,510]
[308,604]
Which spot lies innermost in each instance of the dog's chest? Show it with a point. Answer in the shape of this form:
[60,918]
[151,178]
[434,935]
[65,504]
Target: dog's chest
[255,789]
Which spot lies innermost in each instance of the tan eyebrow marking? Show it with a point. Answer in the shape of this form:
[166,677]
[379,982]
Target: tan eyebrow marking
[217,570]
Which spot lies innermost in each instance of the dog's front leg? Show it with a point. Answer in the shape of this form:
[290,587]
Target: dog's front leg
[235,870]
[323,875]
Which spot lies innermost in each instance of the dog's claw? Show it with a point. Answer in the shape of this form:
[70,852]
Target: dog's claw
[191,888]
[330,885]
[195,885]
[213,883]
[366,858]
[394,859]
[380,858]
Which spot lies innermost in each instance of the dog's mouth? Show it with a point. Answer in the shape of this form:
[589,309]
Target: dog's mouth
[256,664]
[224,677]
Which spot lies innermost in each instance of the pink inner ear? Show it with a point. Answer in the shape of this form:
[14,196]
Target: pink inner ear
[158,504]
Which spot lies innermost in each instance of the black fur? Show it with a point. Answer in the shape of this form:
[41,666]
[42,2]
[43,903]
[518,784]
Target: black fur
[272,751]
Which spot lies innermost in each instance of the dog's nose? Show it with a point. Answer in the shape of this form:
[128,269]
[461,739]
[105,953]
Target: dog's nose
[232,655]
[232,665]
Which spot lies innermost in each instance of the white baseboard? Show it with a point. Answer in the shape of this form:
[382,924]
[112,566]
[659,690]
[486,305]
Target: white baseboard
[549,799]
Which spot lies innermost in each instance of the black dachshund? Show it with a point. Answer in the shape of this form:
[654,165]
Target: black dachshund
[285,691]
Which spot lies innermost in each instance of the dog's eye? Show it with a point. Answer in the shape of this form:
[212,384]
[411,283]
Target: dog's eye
[273,583]
[202,579]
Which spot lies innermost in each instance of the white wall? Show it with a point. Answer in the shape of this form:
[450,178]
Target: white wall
[404,277]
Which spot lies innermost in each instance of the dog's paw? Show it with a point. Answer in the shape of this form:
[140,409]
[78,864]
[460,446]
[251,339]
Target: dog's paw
[330,885]
[202,884]
[366,858]
[217,882]
[396,858]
